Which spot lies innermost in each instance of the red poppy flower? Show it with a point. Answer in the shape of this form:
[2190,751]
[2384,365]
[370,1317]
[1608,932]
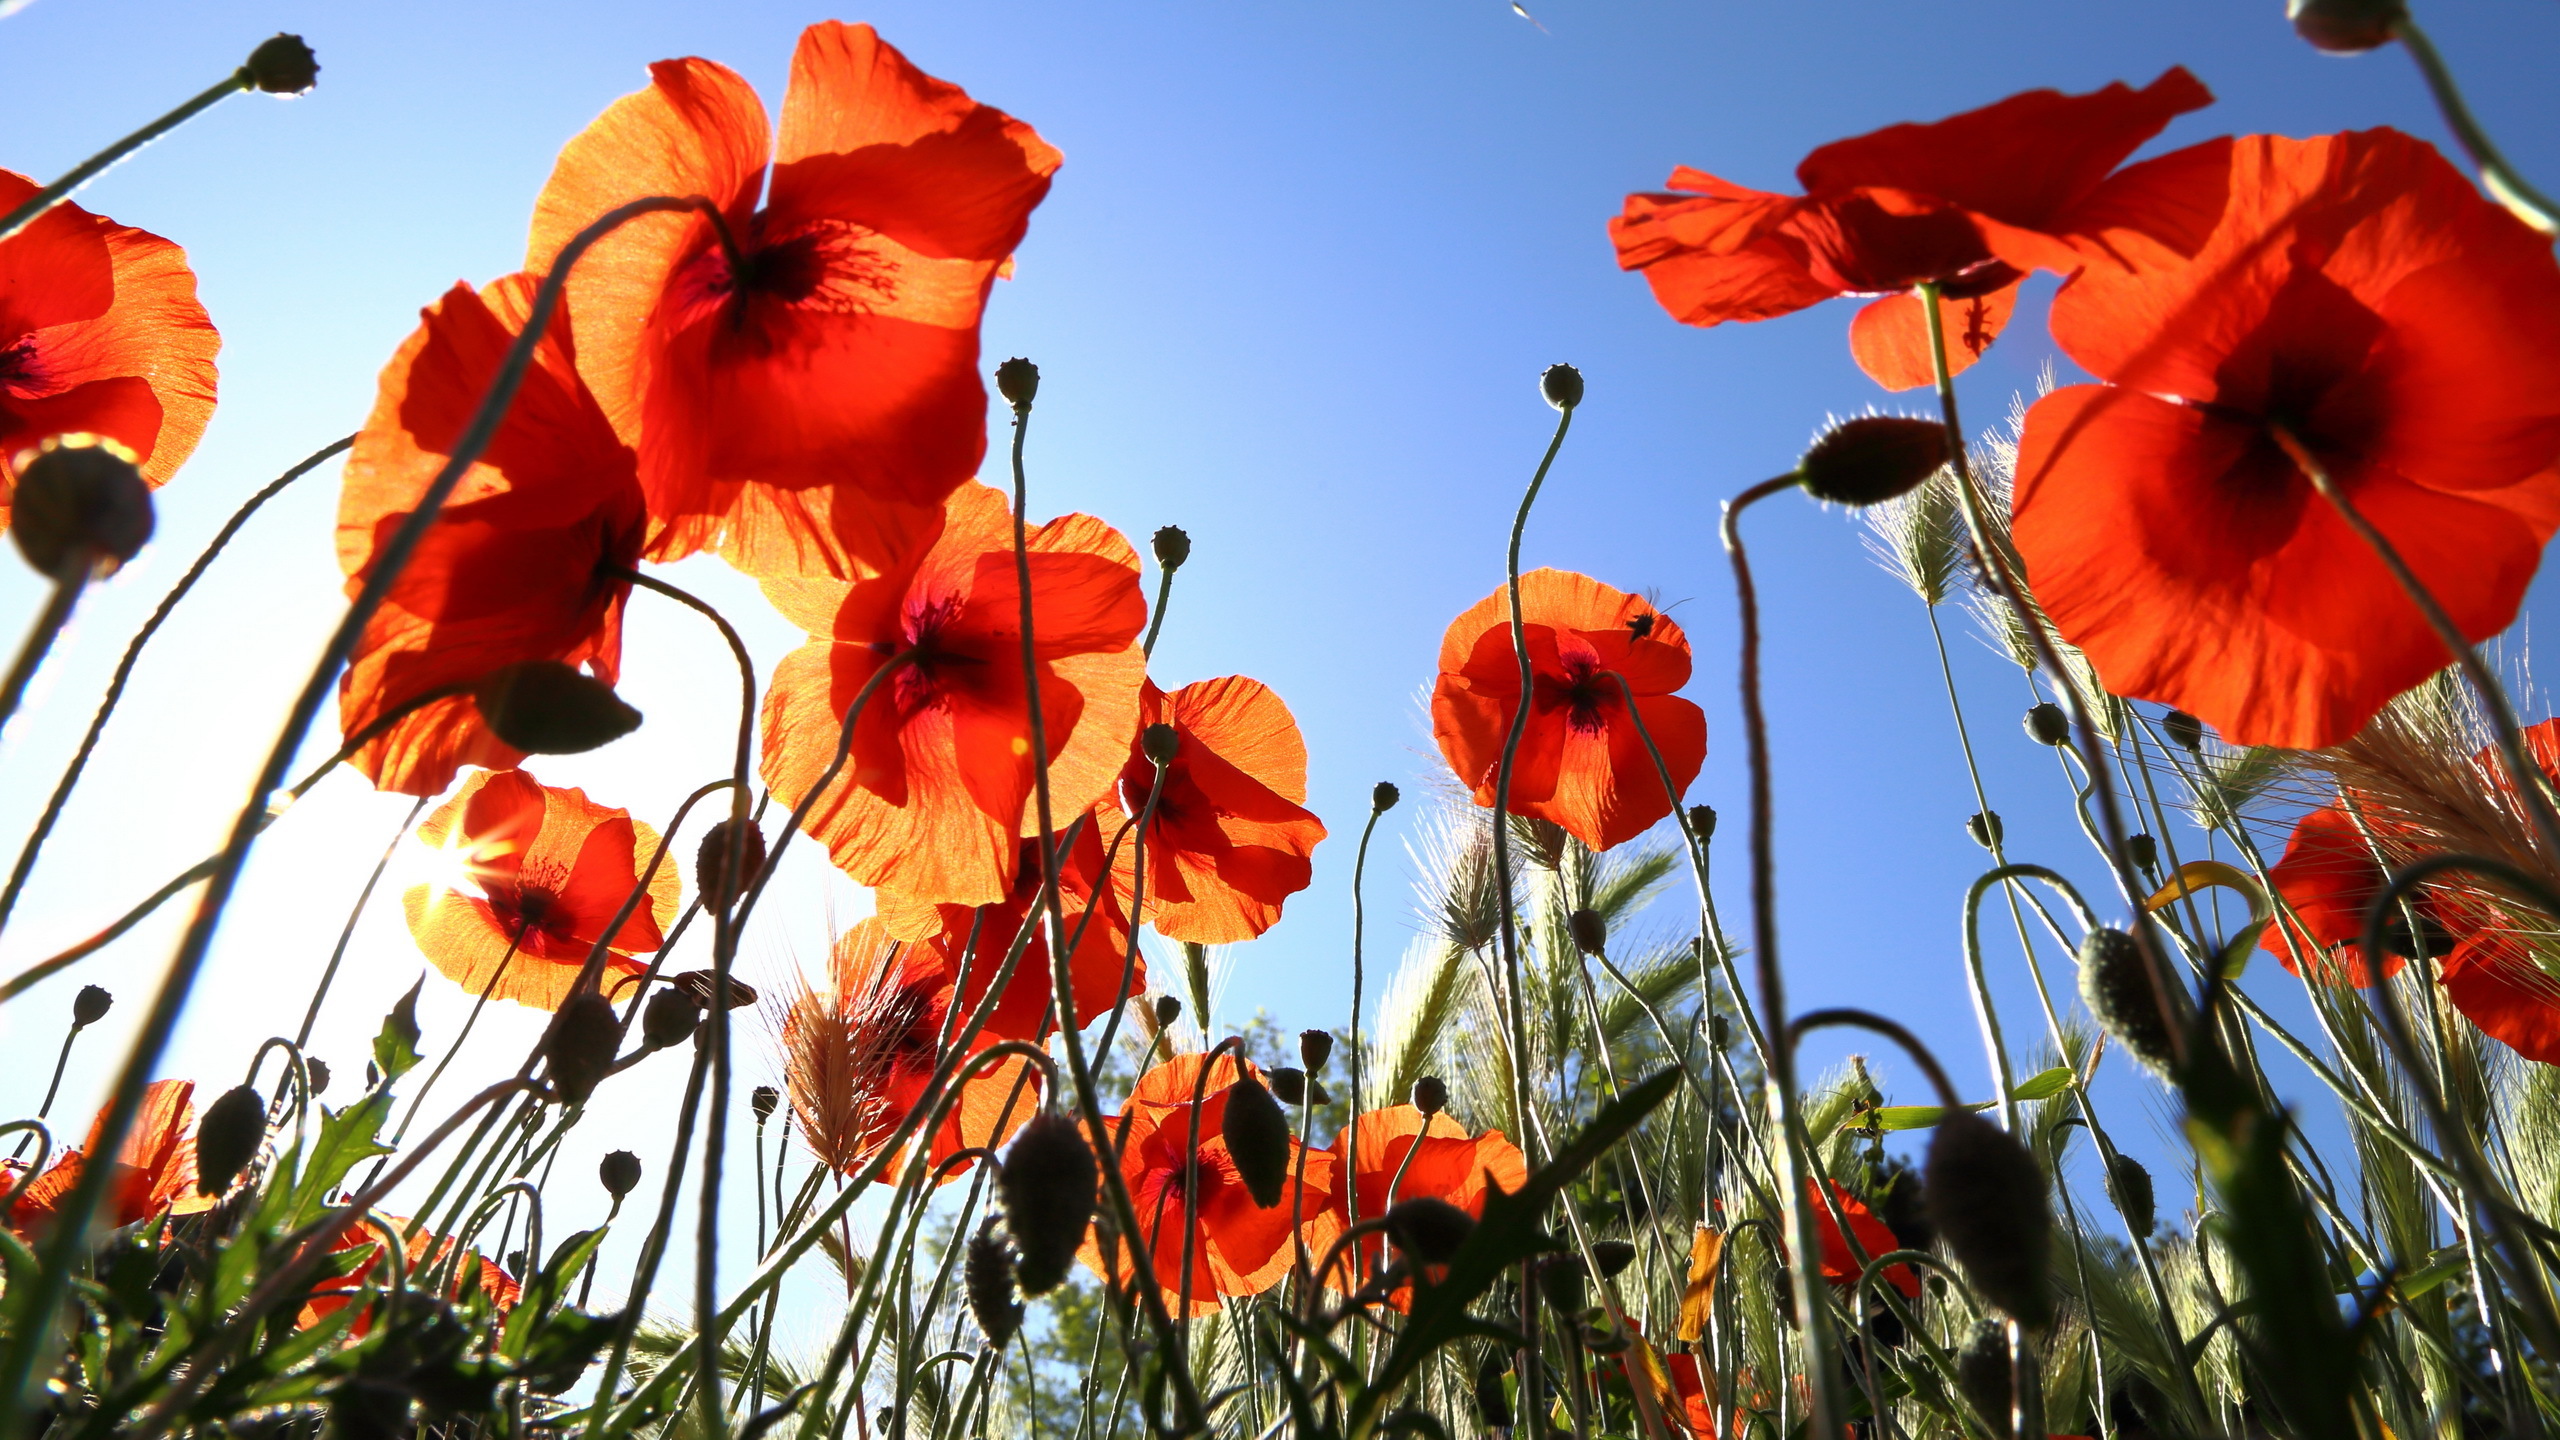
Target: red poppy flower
[1839,1265]
[1231,836]
[100,332]
[421,1251]
[515,567]
[155,1170]
[1238,1247]
[1446,1164]
[938,790]
[2358,293]
[1971,202]
[551,868]
[1101,942]
[801,380]
[2328,876]
[1582,761]
[1697,1409]
[2494,980]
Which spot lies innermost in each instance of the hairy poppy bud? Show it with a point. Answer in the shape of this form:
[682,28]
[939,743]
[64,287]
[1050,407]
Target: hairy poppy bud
[1047,1183]
[1986,1197]
[618,1172]
[986,1277]
[1257,1136]
[2130,1184]
[580,1045]
[1160,743]
[2115,983]
[80,499]
[1296,1087]
[1172,545]
[1589,931]
[1984,827]
[1702,821]
[1168,1010]
[1561,1281]
[702,985]
[2047,725]
[2344,27]
[1384,797]
[1430,1095]
[1018,380]
[283,66]
[763,1102]
[2185,729]
[1983,1374]
[1612,1256]
[1872,459]
[1493,1399]
[227,1138]
[1562,385]
[711,863]
[1314,1048]
[2144,850]
[669,1018]
[315,1073]
[543,707]
[1428,1228]
[91,1005]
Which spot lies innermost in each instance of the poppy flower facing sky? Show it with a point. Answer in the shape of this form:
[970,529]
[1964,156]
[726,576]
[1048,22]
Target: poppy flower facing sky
[1232,834]
[2328,876]
[1101,944]
[1841,1265]
[550,868]
[801,380]
[2359,293]
[1582,761]
[515,567]
[1972,202]
[1446,1164]
[155,1171]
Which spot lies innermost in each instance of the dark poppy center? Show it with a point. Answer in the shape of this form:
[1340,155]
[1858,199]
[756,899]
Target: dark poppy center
[21,368]
[1584,693]
[532,909]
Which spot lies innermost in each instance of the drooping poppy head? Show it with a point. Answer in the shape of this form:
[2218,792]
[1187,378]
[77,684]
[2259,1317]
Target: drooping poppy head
[521,562]
[155,1168]
[2357,296]
[537,873]
[1842,1265]
[937,791]
[801,380]
[1972,202]
[1231,836]
[100,333]
[1403,1155]
[1582,761]
[421,1252]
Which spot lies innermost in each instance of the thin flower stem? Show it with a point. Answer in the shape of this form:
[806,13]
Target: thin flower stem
[40,636]
[329,976]
[1359,920]
[54,1086]
[1164,600]
[644,1271]
[1191,1170]
[1137,907]
[2529,204]
[45,199]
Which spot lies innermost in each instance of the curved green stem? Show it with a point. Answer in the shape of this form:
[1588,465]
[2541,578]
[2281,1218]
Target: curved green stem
[2530,204]
[29,209]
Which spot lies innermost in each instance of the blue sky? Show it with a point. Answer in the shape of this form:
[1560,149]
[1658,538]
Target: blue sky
[1292,291]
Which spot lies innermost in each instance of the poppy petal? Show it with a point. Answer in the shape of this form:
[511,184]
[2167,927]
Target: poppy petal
[1890,337]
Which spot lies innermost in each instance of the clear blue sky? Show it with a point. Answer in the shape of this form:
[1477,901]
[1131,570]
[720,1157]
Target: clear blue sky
[1292,291]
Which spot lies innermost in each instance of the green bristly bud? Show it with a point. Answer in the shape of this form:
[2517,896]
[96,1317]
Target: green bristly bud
[711,861]
[1986,1199]
[2115,983]
[1257,1134]
[543,707]
[580,1045]
[986,1277]
[669,1018]
[1047,1183]
[1428,1229]
[1872,459]
[228,1137]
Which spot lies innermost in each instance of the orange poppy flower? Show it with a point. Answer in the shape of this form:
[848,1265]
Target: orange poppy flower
[1446,1164]
[938,790]
[551,867]
[1840,1265]
[1971,202]
[100,331]
[1101,944]
[1231,836]
[801,380]
[1688,1382]
[1582,761]
[1237,1247]
[514,568]
[155,1170]
[856,1059]
[334,1293]
[2358,293]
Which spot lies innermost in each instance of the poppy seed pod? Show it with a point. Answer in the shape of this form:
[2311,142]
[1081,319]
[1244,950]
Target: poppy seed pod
[1984,827]
[2115,983]
[2130,1184]
[1168,1010]
[1702,822]
[1430,1095]
[2047,725]
[1428,1228]
[1986,1197]
[91,1005]
[1018,381]
[1172,545]
[544,707]
[1384,797]
[227,1138]
[668,1019]
[79,498]
[618,1172]
[711,862]
[1562,385]
[2144,850]
[1872,459]
[986,1277]
[763,1102]
[2185,729]
[1560,1281]
[1314,1048]
[1160,743]
[1257,1134]
[2345,27]
[580,1045]
[1589,931]
[1612,1256]
[702,985]
[1982,1373]
[1292,1086]
[315,1073]
[283,66]
[1047,1184]
[1493,1401]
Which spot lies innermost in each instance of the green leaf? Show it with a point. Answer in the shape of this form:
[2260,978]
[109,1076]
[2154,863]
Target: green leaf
[395,1050]
[2444,1265]
[2044,1086]
[346,1140]
[542,1293]
[1909,1117]
[563,1346]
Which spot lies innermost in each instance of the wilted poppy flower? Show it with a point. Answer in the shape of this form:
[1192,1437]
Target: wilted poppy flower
[938,790]
[100,332]
[1840,1265]
[155,1170]
[1972,202]
[1237,1247]
[856,1058]
[516,567]
[2360,295]
[801,380]
[1231,836]
[1101,941]
[550,868]
[1404,1156]
[334,1293]
[1582,761]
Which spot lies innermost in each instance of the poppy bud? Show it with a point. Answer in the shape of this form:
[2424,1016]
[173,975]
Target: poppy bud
[1872,459]
[543,707]
[1560,1281]
[1430,1095]
[1702,821]
[2047,725]
[1982,1373]
[1018,380]
[1314,1048]
[702,985]
[1562,385]
[1047,1184]
[1383,798]
[711,862]
[1612,1256]
[2344,27]
[763,1101]
[1292,1086]
[1172,545]
[2130,1184]
[315,1073]
[2185,729]
[91,1005]
[1493,1401]
[1428,1229]
[1589,931]
[580,1045]
[1168,1010]
[1985,1195]
[986,1277]
[1640,627]
[283,66]
[618,1172]
[79,499]
[1160,743]
[1257,1136]
[1984,827]
[2145,851]
[227,1138]
[2115,983]
[668,1019]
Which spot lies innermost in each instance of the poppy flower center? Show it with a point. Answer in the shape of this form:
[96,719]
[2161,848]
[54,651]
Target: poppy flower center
[827,266]
[924,684]
[1584,692]
[22,369]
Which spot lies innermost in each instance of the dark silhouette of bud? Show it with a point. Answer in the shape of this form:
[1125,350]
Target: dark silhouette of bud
[2115,983]
[618,1172]
[1314,1048]
[1383,798]
[1612,1256]
[986,1277]
[1562,385]
[1160,743]
[372,1075]
[1168,1010]
[669,1018]
[1872,459]
[1904,1212]
[2185,729]
[702,985]
[1428,1228]
[543,707]
[1589,931]
[2047,725]
[1172,545]
[80,500]
[1257,1134]
[315,1073]
[1702,821]
[1018,381]
[580,1045]
[1561,1282]
[1292,1086]
[763,1102]
[91,1005]
[2130,1184]
[2144,850]
[1493,1399]
[227,1138]
[711,862]
[283,66]
[1982,1373]
[1986,1196]
[2344,27]
[1984,827]
[1047,1182]
[1430,1095]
